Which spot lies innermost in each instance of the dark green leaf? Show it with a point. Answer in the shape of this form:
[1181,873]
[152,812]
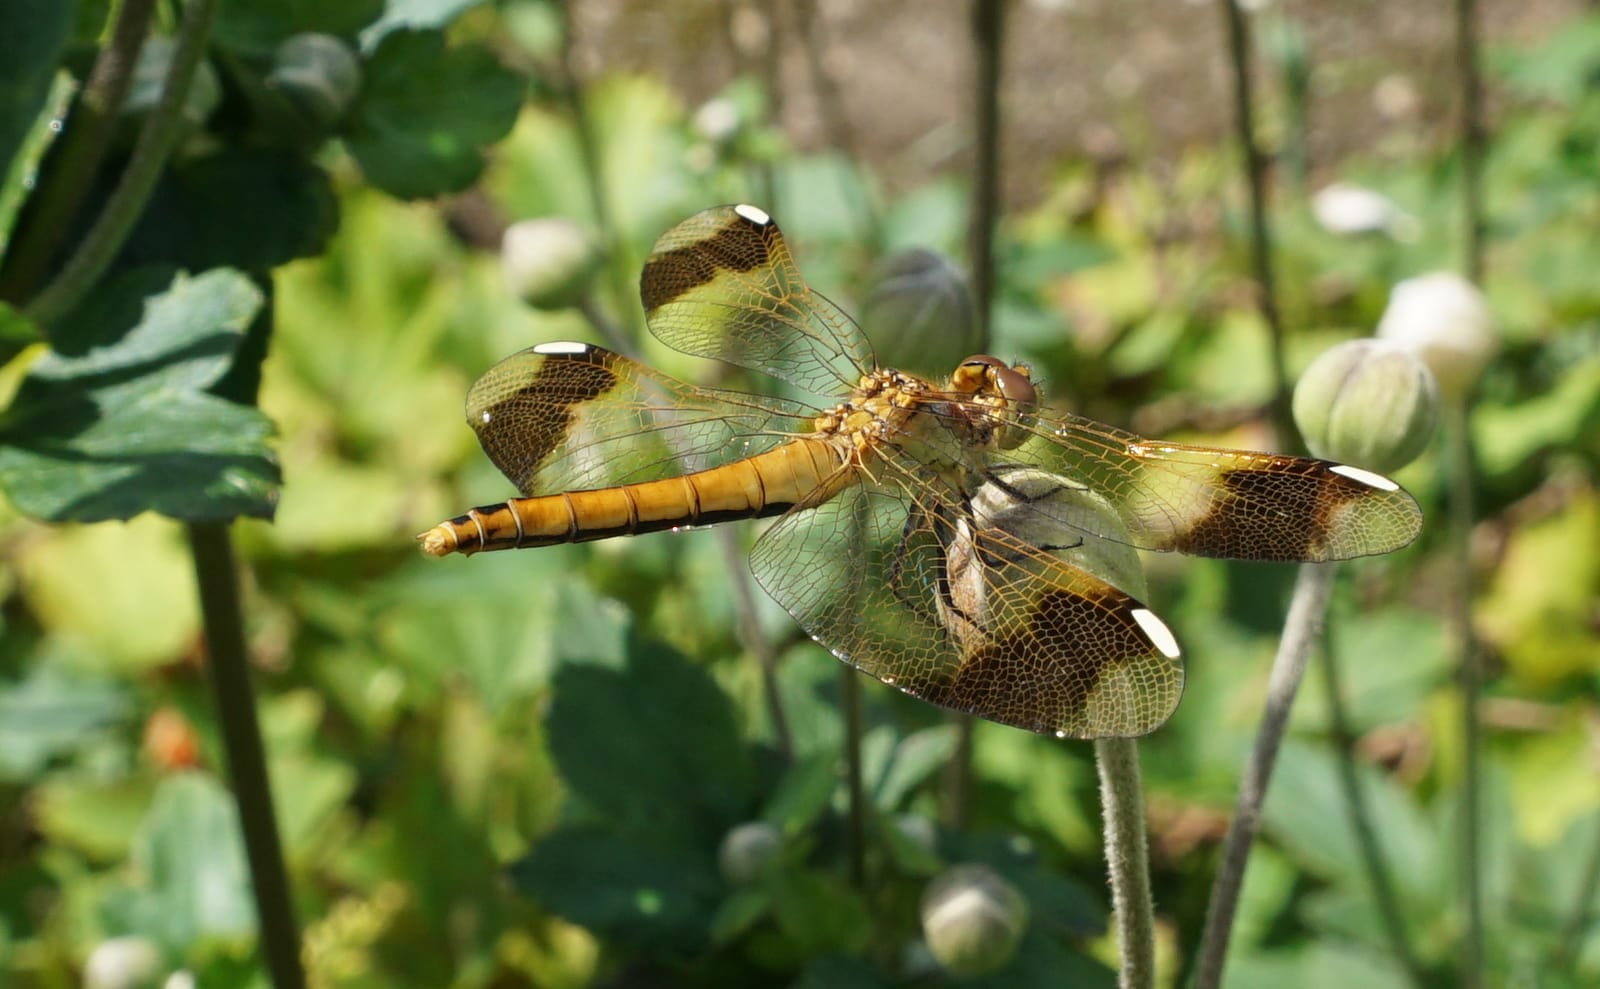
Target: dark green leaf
[820,913]
[425,112]
[1043,961]
[653,748]
[802,793]
[116,420]
[33,36]
[839,972]
[240,208]
[255,27]
[52,713]
[914,760]
[656,899]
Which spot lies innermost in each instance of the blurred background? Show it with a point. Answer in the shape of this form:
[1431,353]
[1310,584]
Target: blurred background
[561,767]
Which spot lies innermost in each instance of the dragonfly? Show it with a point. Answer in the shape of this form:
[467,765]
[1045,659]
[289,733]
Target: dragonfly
[927,532]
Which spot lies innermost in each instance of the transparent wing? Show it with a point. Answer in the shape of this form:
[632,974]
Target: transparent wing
[902,586]
[722,284]
[1232,504]
[573,417]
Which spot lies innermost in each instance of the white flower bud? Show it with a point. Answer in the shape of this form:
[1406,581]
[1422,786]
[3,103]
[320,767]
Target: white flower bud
[717,120]
[1370,403]
[1351,210]
[124,963]
[972,919]
[1443,319]
[748,851]
[548,262]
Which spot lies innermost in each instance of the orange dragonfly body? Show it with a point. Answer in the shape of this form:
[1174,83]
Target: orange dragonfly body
[926,529]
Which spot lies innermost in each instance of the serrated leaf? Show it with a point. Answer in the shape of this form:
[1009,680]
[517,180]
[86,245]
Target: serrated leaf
[653,748]
[658,899]
[425,112]
[115,420]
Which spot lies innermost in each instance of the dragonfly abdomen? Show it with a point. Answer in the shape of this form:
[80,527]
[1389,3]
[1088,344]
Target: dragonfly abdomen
[808,469]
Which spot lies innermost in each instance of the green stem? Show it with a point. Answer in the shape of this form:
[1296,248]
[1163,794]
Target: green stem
[66,182]
[1301,628]
[850,698]
[227,663]
[1469,678]
[1355,801]
[1472,137]
[100,246]
[1127,860]
[988,38]
[1255,168]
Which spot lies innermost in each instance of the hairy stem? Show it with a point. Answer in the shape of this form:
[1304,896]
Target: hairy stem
[241,736]
[1127,860]
[1301,629]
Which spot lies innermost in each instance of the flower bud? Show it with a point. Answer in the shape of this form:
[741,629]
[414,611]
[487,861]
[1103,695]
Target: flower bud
[1351,211]
[548,262]
[748,851]
[124,963]
[972,919]
[319,75]
[918,312]
[717,120]
[1370,403]
[1443,319]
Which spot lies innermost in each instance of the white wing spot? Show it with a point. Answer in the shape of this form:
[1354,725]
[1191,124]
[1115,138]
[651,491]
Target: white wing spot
[563,347]
[754,214]
[1160,635]
[484,415]
[1366,477]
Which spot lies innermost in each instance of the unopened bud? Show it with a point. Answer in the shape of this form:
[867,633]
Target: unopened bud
[918,312]
[1352,211]
[548,262]
[972,919]
[1443,319]
[319,75]
[1370,403]
[748,851]
[124,963]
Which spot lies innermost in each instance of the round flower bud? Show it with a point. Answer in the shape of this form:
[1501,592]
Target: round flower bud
[1370,403]
[548,262]
[318,74]
[748,851]
[1352,211]
[972,919]
[717,120]
[918,312]
[124,963]
[1443,319]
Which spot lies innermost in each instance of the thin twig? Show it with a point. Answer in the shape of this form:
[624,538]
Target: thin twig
[1255,168]
[67,180]
[1355,801]
[1472,138]
[100,246]
[1127,860]
[1301,628]
[988,41]
[241,737]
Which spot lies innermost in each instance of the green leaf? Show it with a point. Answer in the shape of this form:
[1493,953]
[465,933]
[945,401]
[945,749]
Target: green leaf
[250,209]
[655,899]
[820,913]
[802,793]
[1317,966]
[33,36]
[116,421]
[255,27]
[414,14]
[915,759]
[426,110]
[52,713]
[190,860]
[651,748]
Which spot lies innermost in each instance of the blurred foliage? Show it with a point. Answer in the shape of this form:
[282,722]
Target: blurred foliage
[524,770]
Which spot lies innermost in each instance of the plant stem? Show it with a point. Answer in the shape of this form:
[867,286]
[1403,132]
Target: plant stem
[1361,823]
[850,697]
[988,43]
[1469,679]
[100,246]
[228,665]
[1307,608]
[1472,138]
[1255,168]
[1127,860]
[64,184]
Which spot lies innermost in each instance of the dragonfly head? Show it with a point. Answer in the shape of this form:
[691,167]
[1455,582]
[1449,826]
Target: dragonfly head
[1004,389]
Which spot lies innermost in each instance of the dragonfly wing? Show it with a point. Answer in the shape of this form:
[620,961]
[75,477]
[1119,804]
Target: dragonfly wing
[978,621]
[1231,504]
[573,417]
[722,284]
